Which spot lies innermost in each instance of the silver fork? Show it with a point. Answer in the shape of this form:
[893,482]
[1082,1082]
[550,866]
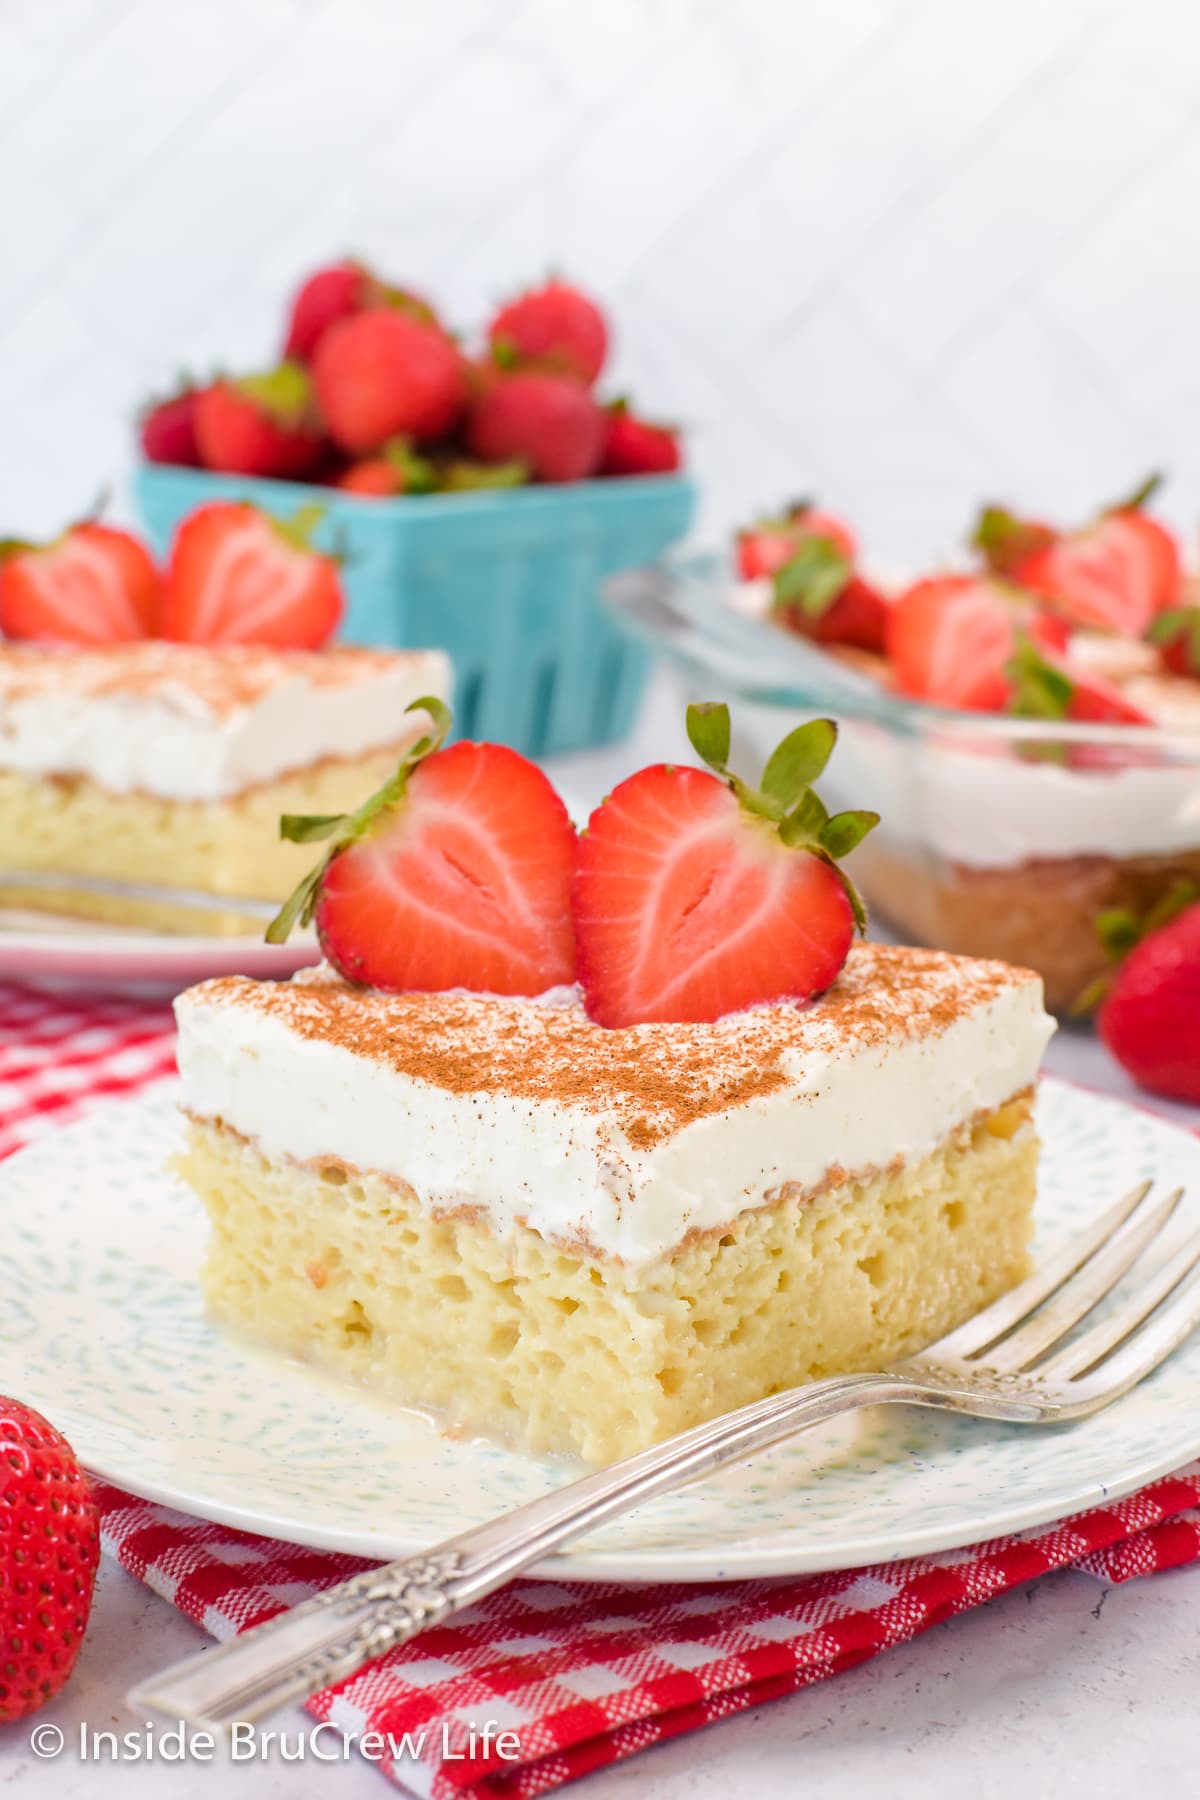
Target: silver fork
[1016,1361]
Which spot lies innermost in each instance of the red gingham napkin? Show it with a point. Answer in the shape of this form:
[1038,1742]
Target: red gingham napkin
[580,1674]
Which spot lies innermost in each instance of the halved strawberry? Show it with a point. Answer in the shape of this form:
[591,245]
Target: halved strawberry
[951,638]
[457,874]
[1117,574]
[91,585]
[239,576]
[696,896]
[260,424]
[555,327]
[763,548]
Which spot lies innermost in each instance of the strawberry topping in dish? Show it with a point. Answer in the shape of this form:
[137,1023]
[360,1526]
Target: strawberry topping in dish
[689,896]
[1017,635]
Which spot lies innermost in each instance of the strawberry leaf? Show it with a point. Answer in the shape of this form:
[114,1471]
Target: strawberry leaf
[1120,930]
[804,825]
[813,578]
[1040,690]
[462,476]
[796,763]
[309,828]
[298,907]
[709,733]
[285,394]
[1177,622]
[846,830]
[348,828]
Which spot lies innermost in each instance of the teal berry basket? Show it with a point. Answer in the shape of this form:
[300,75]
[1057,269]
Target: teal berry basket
[507,583]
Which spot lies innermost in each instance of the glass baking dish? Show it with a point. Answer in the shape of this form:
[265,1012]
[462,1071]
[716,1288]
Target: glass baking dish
[998,837]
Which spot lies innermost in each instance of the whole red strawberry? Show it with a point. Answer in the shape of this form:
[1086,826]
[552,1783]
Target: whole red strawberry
[326,296]
[695,896]
[260,424]
[556,327]
[385,374]
[335,293]
[395,469]
[91,585]
[818,595]
[167,429]
[1150,1016]
[1177,634]
[633,446]
[764,547]
[457,874]
[49,1549]
[547,421]
[236,575]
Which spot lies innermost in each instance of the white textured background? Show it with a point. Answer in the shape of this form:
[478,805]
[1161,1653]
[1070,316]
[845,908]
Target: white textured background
[895,252]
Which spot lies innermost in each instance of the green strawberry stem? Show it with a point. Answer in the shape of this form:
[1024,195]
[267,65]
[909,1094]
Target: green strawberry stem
[347,828]
[1120,930]
[786,797]
[1134,502]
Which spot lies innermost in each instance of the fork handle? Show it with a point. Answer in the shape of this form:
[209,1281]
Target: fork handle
[330,1637]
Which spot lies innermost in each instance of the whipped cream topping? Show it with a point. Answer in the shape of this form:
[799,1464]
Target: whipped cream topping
[622,1143]
[990,809]
[191,722]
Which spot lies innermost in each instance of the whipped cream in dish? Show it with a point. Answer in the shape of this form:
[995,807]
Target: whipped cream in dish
[198,723]
[622,1142]
[993,809]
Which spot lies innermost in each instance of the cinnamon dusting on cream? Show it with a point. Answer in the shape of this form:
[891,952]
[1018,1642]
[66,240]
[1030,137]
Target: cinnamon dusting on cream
[658,1077]
[217,679]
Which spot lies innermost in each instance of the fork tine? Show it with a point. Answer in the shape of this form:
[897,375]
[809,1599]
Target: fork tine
[1150,1344]
[1011,1308]
[1084,1291]
[1095,1345]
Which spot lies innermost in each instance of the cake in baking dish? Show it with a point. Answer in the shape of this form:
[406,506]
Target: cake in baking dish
[585,1239]
[170,764]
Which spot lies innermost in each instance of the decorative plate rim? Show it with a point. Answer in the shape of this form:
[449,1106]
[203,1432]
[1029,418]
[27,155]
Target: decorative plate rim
[112,1456]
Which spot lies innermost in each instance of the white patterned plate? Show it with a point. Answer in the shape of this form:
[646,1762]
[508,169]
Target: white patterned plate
[45,950]
[101,1326]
